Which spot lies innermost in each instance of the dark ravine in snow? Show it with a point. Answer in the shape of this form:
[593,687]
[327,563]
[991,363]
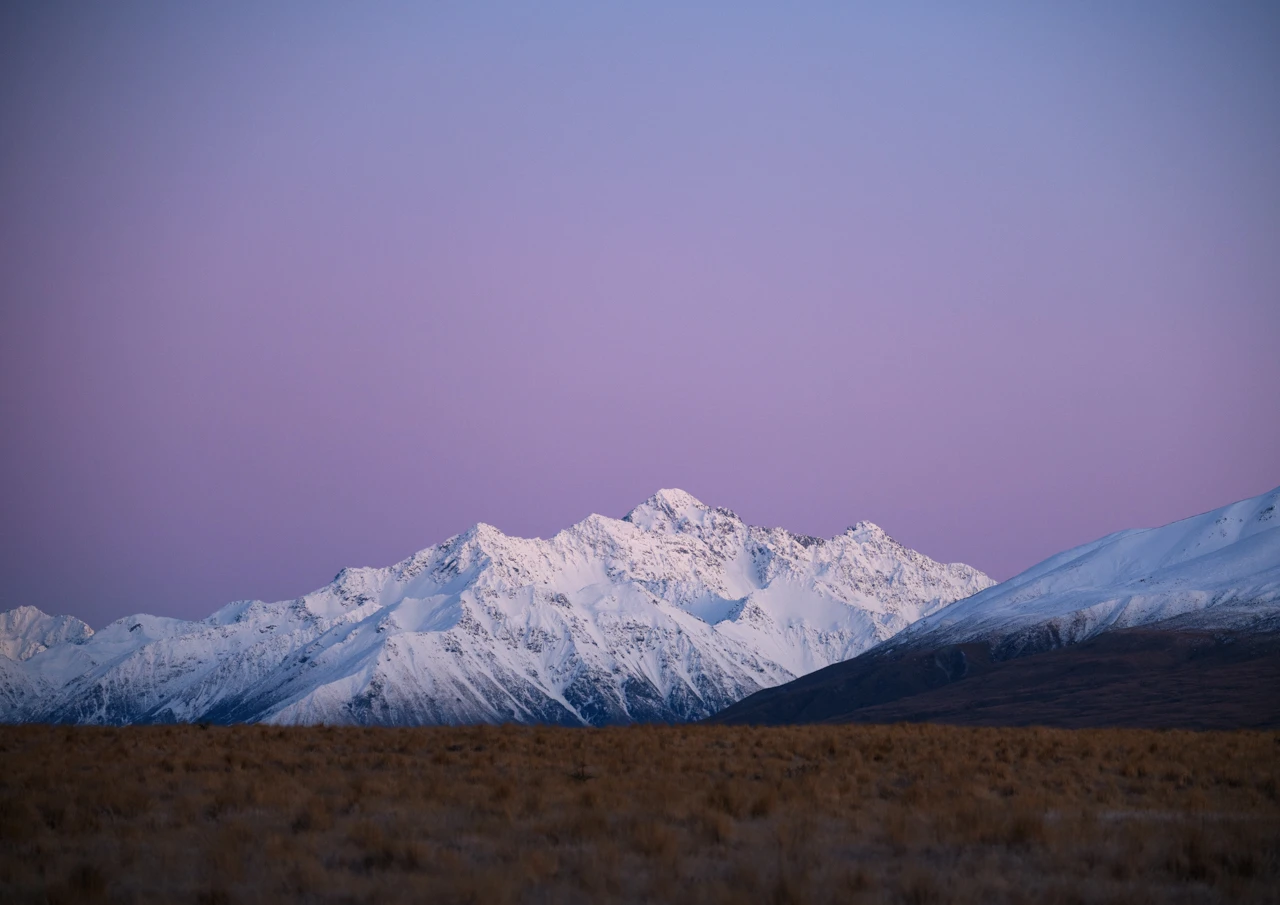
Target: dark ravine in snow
[670,614]
[1176,626]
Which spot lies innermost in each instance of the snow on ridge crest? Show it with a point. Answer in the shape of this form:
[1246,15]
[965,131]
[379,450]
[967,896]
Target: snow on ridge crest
[667,508]
[865,529]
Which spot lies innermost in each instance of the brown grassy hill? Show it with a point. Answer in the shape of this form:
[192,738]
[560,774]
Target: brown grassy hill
[1142,677]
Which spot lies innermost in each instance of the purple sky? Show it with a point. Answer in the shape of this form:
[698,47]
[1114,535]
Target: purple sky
[290,290]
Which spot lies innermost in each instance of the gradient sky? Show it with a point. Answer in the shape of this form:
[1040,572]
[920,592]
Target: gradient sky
[288,288]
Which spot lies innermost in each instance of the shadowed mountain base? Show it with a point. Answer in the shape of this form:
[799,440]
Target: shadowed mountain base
[1141,678]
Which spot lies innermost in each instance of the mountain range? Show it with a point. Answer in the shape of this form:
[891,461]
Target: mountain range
[669,614]
[681,611]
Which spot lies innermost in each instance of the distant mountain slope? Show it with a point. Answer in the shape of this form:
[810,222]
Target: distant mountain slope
[1189,613]
[1221,567]
[669,614]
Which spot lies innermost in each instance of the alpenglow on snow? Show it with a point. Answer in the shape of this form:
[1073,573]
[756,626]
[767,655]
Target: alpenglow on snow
[669,614]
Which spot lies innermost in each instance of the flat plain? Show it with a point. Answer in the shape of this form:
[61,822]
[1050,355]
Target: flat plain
[830,813]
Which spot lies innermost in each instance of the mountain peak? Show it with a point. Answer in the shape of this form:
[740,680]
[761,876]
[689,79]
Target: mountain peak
[666,506]
[26,630]
[482,531]
[676,498]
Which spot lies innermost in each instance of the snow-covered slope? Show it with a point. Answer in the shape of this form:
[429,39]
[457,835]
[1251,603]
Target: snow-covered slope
[1220,569]
[669,614]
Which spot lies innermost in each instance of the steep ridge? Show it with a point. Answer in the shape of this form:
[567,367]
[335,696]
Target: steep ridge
[1197,602]
[671,613]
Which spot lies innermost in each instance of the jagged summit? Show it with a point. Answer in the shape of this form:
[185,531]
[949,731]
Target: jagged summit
[669,614]
[675,498]
[666,508]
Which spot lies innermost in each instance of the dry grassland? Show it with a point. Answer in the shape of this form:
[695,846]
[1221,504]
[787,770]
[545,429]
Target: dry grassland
[909,813]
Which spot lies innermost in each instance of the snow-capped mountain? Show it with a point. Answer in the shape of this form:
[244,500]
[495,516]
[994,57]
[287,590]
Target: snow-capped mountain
[669,614]
[1170,626]
[1218,569]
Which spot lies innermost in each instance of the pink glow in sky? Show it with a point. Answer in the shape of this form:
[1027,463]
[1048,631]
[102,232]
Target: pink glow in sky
[318,286]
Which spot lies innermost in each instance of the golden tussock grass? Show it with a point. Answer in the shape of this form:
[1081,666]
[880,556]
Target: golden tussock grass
[509,814]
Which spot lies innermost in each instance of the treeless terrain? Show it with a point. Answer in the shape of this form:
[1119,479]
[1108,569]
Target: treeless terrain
[1150,678]
[848,813]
